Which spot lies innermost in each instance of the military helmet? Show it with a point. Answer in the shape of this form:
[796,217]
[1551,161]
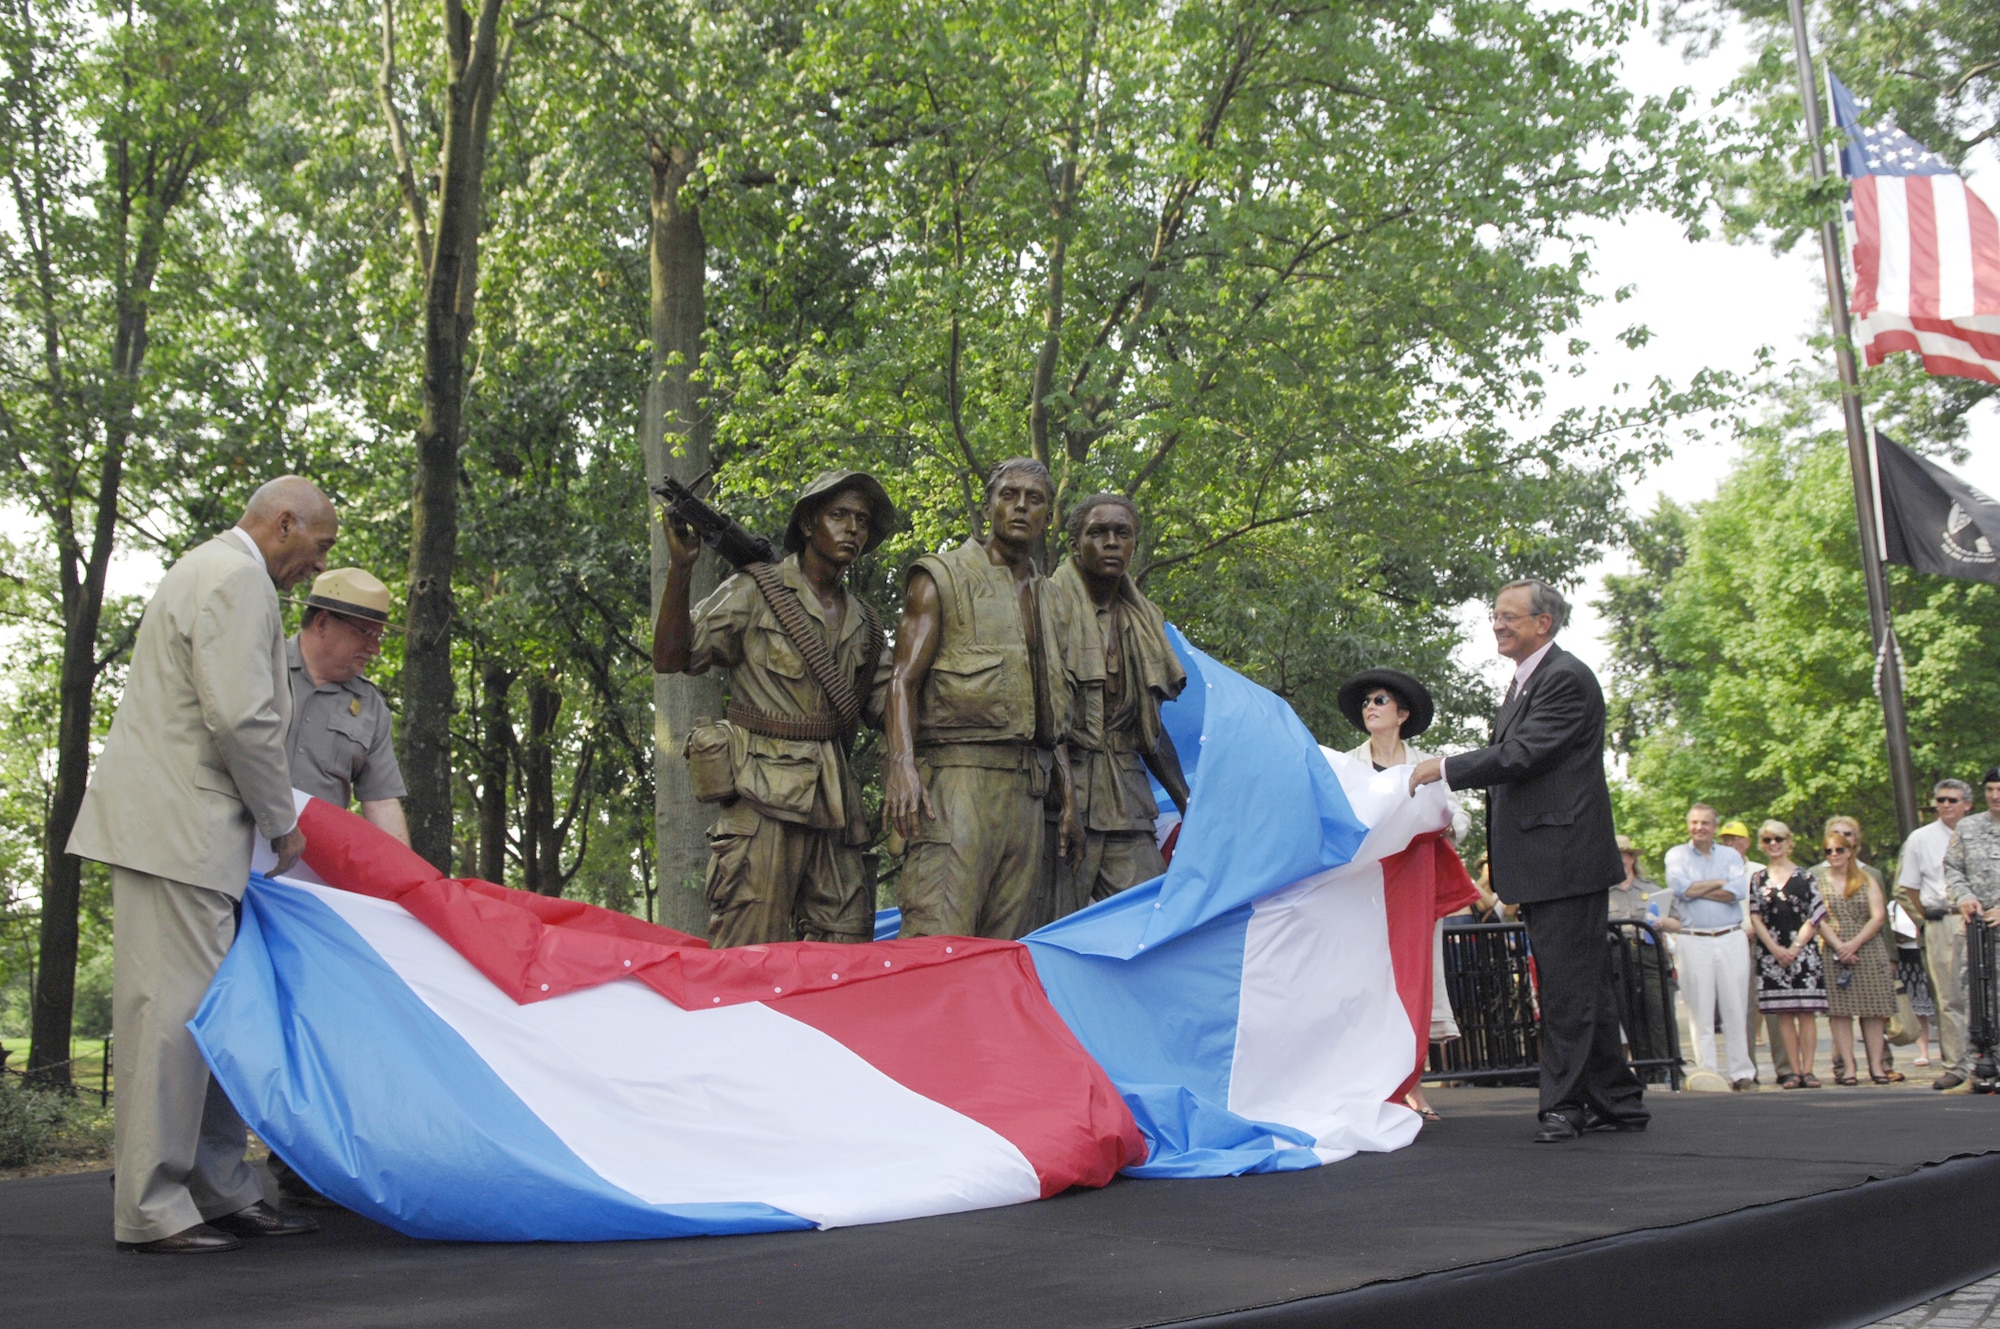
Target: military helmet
[822,490]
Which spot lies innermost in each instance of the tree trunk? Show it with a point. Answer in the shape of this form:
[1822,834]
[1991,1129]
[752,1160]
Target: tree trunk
[541,844]
[496,741]
[54,1006]
[429,695]
[674,437]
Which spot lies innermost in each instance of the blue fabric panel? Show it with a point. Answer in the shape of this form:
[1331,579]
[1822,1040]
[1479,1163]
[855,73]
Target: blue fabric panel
[380,1104]
[1151,980]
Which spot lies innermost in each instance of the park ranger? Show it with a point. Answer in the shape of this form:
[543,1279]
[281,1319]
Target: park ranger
[1114,645]
[807,664]
[341,747]
[978,705]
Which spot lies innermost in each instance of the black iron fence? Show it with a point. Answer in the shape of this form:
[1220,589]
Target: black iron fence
[1489,973]
[102,1089]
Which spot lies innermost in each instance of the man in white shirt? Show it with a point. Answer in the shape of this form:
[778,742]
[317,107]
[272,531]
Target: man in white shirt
[1921,883]
[1711,881]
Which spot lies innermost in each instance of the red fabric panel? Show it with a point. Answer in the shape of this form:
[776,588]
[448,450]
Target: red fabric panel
[1867,246]
[1420,885]
[1924,275]
[533,947]
[1985,254]
[965,1023]
[982,1039]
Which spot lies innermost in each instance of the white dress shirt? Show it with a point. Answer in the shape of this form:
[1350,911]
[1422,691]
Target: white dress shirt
[1923,863]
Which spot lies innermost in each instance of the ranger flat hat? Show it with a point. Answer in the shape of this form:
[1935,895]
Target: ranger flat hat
[822,490]
[352,593]
[1415,696]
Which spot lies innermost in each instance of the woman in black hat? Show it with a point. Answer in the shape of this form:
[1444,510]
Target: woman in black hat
[1392,708]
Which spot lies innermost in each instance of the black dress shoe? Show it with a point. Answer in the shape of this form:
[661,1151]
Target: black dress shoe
[1556,1127]
[261,1220]
[201,1239]
[1593,1120]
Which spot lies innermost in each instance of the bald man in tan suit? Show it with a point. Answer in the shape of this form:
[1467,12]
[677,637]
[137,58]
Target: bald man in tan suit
[193,772]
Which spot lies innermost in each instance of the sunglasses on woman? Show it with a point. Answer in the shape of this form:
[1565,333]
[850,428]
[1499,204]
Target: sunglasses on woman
[1773,839]
[1833,849]
[1380,699]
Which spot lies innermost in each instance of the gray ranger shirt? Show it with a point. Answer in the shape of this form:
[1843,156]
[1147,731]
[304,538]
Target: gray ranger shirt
[340,744]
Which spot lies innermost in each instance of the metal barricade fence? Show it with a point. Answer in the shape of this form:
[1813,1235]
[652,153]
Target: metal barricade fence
[1490,978]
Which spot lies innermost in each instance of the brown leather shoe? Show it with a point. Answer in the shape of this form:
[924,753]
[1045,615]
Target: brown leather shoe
[261,1220]
[201,1239]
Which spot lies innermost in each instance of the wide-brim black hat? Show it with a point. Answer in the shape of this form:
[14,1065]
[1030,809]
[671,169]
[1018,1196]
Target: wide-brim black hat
[822,490]
[1415,696]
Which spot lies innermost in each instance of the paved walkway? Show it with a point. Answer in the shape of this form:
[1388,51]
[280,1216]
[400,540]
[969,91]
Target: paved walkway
[1974,1307]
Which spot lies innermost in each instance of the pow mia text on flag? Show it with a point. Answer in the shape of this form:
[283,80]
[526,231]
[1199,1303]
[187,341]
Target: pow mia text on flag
[1932,520]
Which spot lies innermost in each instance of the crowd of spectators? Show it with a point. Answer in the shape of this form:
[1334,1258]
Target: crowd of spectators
[1786,941]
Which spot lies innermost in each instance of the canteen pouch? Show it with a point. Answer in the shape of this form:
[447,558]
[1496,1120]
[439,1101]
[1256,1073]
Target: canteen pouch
[711,765]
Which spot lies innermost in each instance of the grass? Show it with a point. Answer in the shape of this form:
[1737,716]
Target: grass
[86,1059]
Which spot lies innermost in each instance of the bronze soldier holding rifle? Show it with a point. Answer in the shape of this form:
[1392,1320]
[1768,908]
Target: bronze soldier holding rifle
[807,665]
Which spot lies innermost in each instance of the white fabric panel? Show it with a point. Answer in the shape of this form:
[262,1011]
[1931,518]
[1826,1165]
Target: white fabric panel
[739,1104]
[1892,281]
[1954,234]
[1322,1037]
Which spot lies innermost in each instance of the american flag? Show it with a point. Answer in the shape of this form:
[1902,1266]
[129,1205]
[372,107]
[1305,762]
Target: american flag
[1926,251]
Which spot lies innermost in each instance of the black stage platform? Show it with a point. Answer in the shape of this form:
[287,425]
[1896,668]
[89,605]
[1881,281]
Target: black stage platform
[1828,1207]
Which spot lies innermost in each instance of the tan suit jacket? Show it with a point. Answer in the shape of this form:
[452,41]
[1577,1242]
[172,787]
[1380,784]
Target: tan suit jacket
[194,768]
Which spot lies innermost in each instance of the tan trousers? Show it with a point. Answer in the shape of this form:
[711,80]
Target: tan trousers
[772,881]
[180,1144]
[1944,947]
[976,871]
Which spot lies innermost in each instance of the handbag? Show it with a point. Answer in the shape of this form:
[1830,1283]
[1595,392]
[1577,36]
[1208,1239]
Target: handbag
[1902,1030]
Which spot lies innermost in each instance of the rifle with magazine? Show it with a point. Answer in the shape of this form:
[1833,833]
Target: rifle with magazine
[725,535]
[754,556]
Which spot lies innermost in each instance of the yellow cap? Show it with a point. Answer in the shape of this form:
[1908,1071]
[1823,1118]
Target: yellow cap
[1733,828]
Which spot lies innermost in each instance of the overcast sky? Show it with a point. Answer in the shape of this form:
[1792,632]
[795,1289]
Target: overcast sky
[1708,304]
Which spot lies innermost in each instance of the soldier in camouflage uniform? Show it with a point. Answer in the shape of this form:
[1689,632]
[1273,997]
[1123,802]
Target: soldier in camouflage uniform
[785,853]
[977,708]
[1114,645]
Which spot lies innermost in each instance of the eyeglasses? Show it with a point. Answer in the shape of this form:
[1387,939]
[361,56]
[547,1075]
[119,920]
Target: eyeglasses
[1947,798]
[1772,839]
[1833,849]
[372,632]
[1381,699]
[1497,617]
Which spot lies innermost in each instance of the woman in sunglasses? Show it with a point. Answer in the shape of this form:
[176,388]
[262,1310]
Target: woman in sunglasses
[1391,707]
[1785,912]
[1861,974]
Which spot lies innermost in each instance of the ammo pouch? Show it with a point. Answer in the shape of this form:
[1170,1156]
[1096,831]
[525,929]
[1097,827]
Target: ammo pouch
[711,765]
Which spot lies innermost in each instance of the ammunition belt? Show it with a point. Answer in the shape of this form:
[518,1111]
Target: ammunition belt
[798,728]
[817,653]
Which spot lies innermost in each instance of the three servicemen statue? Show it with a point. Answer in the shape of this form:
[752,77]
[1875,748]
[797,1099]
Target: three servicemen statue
[1021,715]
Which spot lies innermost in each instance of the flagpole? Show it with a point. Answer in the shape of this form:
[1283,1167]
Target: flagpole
[1889,677]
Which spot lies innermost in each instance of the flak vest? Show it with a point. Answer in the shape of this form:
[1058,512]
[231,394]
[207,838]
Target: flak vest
[982,685]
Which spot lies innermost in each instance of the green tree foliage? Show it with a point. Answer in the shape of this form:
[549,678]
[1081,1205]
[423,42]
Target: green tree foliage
[1745,674]
[1290,276]
[1287,276]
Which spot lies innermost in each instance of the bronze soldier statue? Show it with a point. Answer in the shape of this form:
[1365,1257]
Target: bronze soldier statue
[1114,644]
[978,705]
[806,664]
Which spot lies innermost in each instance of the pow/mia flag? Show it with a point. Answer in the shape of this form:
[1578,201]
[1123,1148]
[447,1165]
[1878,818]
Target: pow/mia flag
[1932,520]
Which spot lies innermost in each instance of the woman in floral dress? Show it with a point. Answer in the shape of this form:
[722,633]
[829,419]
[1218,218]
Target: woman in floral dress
[1785,912]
